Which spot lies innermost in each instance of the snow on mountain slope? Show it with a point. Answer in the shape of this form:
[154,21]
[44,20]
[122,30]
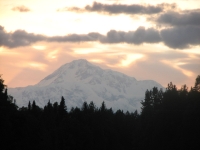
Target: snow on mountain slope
[81,81]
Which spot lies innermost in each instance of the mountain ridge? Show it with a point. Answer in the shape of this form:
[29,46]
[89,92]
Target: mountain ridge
[81,81]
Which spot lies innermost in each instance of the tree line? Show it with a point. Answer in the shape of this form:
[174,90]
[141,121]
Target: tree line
[169,119]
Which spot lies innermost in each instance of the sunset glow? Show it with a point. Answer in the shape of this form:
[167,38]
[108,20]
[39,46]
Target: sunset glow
[136,38]
[130,58]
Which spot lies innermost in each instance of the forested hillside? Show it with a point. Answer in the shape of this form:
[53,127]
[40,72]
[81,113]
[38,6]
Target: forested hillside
[168,119]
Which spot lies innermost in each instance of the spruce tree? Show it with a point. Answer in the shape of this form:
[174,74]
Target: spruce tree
[84,107]
[147,103]
[33,105]
[197,84]
[29,106]
[62,107]
[103,107]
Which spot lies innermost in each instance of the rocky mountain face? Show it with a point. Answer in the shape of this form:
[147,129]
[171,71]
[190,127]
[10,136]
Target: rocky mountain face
[81,81]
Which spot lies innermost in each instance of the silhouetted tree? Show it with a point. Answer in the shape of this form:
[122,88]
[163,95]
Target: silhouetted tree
[29,106]
[169,120]
[49,107]
[34,105]
[92,107]
[197,84]
[103,107]
[183,92]
[55,107]
[147,104]
[2,85]
[84,107]
[62,108]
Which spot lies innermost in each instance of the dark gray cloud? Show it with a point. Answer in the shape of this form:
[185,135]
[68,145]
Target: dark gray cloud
[22,38]
[18,38]
[122,8]
[93,36]
[136,37]
[180,19]
[176,37]
[21,8]
[181,37]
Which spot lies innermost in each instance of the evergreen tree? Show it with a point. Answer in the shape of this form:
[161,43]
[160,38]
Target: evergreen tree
[8,117]
[183,92]
[103,107]
[92,107]
[156,97]
[62,107]
[84,107]
[3,93]
[171,92]
[135,114]
[55,107]
[171,97]
[147,103]
[34,105]
[6,101]
[29,106]
[197,84]
[2,85]
[49,107]
[167,119]
[36,110]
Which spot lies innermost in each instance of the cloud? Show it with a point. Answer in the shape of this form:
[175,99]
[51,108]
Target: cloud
[122,8]
[141,35]
[22,38]
[181,37]
[75,9]
[21,8]
[179,19]
[176,37]
[93,36]
[18,38]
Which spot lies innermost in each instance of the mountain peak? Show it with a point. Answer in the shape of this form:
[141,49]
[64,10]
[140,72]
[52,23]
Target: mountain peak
[73,71]
[80,81]
[79,63]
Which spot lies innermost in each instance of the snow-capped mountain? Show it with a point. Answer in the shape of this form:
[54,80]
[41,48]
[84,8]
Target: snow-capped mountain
[81,81]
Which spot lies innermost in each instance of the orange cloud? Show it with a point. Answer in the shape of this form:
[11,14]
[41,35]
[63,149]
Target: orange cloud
[21,8]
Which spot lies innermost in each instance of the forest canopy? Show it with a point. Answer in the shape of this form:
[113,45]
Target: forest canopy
[168,119]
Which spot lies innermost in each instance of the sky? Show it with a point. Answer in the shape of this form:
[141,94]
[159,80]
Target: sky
[149,40]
